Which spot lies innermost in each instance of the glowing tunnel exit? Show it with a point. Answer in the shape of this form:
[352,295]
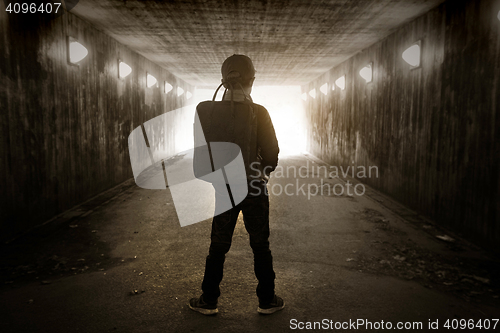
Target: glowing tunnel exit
[286,109]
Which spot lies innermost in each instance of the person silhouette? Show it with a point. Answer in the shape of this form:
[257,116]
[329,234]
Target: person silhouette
[238,120]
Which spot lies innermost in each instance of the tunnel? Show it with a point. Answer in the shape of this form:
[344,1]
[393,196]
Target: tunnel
[384,206]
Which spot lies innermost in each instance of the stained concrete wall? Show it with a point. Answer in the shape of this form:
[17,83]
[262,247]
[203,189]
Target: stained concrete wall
[433,132]
[64,128]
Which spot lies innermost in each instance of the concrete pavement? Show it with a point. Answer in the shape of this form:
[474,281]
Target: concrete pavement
[124,264]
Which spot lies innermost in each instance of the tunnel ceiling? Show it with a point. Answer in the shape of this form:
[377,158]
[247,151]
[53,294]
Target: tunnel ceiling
[291,42]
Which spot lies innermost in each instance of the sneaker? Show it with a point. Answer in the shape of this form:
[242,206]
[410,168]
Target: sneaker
[277,304]
[197,304]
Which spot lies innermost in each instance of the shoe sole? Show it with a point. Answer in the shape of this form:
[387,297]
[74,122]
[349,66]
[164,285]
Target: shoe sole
[206,312]
[270,310]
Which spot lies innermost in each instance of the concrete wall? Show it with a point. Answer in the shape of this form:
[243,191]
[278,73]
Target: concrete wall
[64,128]
[433,132]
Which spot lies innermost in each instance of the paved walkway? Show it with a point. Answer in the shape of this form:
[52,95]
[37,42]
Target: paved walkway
[122,263]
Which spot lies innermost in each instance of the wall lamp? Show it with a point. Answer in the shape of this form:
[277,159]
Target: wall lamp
[124,70]
[412,55]
[340,82]
[312,93]
[76,51]
[167,88]
[180,91]
[324,89]
[189,95]
[367,73]
[150,80]
[304,96]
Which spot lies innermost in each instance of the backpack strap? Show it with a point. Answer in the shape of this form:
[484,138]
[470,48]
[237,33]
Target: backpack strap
[211,110]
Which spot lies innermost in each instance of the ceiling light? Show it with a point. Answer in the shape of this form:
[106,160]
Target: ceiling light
[366,73]
[180,91]
[412,55]
[123,69]
[77,52]
[340,82]
[312,93]
[168,87]
[324,88]
[304,96]
[151,80]
[188,95]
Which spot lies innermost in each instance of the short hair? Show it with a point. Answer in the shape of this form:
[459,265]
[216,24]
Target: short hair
[237,69]
[234,79]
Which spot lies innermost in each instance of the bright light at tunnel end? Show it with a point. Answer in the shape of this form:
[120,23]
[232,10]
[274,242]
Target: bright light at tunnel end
[287,112]
[286,106]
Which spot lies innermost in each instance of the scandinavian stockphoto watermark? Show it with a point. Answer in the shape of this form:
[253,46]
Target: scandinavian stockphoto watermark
[365,324]
[298,186]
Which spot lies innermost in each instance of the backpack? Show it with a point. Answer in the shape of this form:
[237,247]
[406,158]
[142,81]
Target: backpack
[223,130]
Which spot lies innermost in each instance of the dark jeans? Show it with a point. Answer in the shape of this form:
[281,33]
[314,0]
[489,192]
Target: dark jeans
[256,216]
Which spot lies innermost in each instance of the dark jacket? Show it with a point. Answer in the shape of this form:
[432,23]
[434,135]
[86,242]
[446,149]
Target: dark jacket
[249,126]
